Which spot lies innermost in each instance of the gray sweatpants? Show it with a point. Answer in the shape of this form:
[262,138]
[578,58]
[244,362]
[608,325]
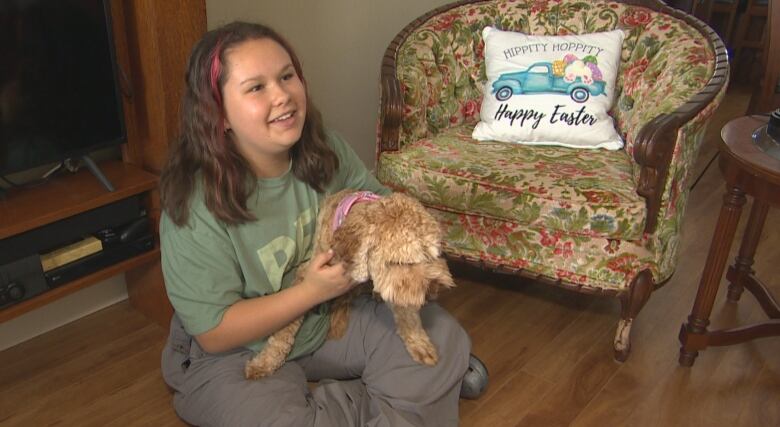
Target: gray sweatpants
[365,378]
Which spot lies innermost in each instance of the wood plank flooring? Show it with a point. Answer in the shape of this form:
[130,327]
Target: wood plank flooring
[548,350]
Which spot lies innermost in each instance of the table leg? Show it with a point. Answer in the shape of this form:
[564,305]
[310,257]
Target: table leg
[744,261]
[693,334]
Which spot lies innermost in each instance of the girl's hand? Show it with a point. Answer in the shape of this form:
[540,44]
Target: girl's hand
[328,281]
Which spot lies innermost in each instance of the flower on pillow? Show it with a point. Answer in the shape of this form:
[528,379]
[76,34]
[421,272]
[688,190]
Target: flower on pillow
[553,90]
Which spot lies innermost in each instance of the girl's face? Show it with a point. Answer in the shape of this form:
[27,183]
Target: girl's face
[265,104]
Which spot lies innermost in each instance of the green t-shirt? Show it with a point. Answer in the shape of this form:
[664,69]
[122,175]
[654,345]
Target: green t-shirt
[208,266]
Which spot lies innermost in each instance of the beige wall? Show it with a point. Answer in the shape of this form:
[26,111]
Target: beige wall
[340,44]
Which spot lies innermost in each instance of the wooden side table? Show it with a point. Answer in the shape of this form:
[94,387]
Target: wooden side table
[748,170]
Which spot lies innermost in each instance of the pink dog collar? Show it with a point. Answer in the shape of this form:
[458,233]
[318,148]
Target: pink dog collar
[346,204]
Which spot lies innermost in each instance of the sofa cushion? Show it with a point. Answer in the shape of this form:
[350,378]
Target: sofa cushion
[583,193]
[550,90]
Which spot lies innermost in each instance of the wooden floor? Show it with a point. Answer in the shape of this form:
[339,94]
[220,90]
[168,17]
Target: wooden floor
[548,351]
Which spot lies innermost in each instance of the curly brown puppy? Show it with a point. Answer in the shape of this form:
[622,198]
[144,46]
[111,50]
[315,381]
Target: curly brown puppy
[392,241]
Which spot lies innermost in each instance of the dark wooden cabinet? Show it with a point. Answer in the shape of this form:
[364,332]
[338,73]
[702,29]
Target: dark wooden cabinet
[153,40]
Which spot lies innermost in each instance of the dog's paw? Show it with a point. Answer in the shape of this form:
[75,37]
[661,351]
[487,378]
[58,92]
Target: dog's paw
[423,352]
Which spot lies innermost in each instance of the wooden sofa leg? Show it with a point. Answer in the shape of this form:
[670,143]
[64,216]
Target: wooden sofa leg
[631,303]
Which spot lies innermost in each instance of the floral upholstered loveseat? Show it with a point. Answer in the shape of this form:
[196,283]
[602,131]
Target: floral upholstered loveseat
[594,221]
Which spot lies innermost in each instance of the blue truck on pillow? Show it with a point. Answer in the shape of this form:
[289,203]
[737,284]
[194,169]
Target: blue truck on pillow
[540,78]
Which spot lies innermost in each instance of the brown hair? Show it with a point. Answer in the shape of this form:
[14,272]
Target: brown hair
[204,150]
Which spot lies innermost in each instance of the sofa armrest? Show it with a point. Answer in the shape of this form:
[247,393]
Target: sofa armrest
[655,142]
[391,109]
[391,99]
[391,95]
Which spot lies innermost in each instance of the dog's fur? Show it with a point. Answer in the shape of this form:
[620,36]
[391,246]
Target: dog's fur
[395,243]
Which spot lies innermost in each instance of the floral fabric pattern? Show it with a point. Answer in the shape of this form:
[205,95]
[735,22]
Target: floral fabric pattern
[568,214]
[583,192]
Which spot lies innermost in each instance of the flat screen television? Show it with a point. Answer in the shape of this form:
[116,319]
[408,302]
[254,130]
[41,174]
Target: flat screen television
[59,91]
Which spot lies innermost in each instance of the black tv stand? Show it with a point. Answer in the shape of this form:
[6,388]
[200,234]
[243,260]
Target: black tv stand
[93,167]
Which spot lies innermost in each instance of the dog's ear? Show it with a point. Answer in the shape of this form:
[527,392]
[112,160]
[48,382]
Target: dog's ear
[439,276]
[351,243]
[345,244]
[402,284]
[323,236]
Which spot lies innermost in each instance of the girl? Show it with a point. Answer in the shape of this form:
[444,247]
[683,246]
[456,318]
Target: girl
[240,195]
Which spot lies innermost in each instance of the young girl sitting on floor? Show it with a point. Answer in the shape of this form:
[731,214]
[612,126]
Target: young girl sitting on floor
[240,195]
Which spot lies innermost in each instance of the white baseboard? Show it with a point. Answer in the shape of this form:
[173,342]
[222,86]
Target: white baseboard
[63,311]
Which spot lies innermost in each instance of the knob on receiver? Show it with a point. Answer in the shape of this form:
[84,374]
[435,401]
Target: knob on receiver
[10,291]
[20,280]
[15,291]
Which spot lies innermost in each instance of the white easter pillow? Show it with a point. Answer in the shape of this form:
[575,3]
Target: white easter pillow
[550,90]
